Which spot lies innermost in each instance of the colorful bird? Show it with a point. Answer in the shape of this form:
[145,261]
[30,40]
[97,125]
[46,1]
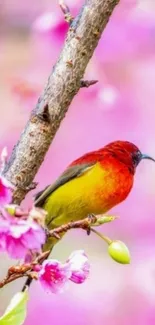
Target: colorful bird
[92,184]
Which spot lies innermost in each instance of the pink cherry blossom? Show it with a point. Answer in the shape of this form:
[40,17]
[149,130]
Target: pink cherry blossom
[3,234]
[54,275]
[52,24]
[18,236]
[79,265]
[5,191]
[5,185]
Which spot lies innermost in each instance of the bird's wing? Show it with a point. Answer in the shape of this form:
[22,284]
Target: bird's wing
[69,174]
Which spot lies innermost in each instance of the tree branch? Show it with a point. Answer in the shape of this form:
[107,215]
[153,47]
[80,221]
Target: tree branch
[83,224]
[16,272]
[62,85]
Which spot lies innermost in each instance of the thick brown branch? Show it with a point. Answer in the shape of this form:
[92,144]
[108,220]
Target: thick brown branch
[62,85]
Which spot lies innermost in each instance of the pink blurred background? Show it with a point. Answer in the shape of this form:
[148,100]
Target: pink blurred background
[120,106]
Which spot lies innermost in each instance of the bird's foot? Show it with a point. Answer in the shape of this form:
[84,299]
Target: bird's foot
[47,233]
[88,231]
[54,234]
[57,236]
[92,219]
[99,220]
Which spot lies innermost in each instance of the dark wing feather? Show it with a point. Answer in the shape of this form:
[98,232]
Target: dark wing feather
[69,174]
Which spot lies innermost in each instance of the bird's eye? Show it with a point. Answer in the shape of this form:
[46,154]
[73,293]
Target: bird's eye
[136,158]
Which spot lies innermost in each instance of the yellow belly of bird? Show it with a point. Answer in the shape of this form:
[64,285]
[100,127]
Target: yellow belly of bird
[92,192]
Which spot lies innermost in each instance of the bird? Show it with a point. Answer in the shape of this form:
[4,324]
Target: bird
[90,185]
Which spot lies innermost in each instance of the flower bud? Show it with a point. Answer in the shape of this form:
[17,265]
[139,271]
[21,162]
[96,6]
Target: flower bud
[103,219]
[11,209]
[38,215]
[119,252]
[79,265]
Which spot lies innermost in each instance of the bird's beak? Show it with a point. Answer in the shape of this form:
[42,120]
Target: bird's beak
[147,157]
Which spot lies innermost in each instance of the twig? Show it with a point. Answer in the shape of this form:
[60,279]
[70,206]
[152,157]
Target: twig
[16,272]
[83,224]
[62,85]
[12,278]
[65,9]
[88,83]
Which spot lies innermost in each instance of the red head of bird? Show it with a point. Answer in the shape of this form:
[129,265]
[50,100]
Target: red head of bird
[127,153]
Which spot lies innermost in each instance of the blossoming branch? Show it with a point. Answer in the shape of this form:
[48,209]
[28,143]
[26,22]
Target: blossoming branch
[23,233]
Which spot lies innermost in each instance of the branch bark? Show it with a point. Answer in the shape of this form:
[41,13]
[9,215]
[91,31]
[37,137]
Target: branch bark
[62,85]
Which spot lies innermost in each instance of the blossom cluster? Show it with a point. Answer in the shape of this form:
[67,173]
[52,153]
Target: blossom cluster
[17,235]
[20,236]
[54,275]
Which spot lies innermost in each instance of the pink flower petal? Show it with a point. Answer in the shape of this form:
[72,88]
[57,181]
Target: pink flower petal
[17,230]
[20,236]
[2,242]
[34,239]
[47,21]
[79,265]
[15,248]
[28,257]
[54,276]
[5,191]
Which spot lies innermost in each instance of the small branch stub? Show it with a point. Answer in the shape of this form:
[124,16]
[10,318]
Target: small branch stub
[65,9]
[44,115]
[88,83]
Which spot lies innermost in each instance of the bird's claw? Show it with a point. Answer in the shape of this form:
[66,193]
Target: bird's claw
[88,231]
[91,219]
[56,235]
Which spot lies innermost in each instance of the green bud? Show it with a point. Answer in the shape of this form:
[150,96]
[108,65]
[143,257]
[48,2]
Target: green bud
[11,209]
[103,219]
[119,252]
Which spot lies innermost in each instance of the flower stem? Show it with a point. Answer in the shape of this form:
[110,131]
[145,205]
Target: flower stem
[106,239]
